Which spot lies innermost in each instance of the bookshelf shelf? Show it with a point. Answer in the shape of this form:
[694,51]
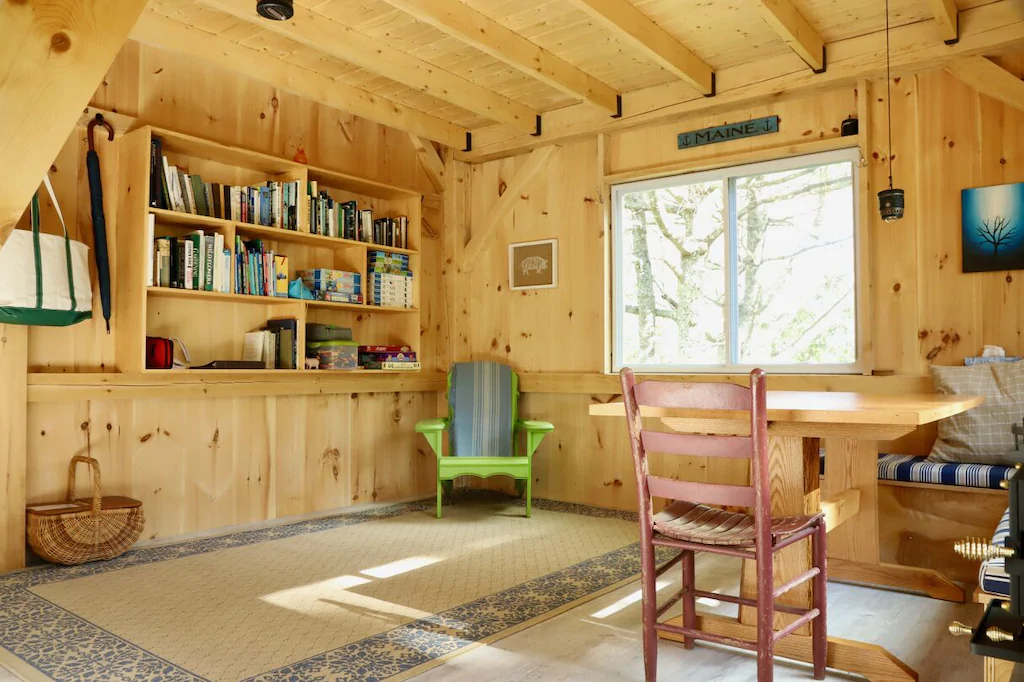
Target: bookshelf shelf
[213,324]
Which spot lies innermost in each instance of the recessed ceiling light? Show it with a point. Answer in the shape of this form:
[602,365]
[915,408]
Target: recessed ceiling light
[276,10]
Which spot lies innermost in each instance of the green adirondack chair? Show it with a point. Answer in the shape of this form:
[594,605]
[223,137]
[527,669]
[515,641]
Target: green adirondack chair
[483,427]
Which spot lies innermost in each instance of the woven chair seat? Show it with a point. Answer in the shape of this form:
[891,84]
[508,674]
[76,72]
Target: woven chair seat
[709,526]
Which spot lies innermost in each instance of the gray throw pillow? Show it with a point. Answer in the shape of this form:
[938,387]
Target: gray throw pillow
[980,435]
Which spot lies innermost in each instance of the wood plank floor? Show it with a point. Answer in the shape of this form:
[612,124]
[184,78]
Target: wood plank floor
[600,641]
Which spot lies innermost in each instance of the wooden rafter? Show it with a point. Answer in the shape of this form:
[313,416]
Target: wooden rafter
[174,36]
[520,184]
[992,29]
[989,79]
[487,35]
[330,37]
[947,15]
[792,27]
[652,40]
[53,54]
[430,160]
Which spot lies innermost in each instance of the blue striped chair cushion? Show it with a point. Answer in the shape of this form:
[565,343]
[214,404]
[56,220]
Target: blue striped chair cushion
[918,470]
[992,577]
[481,408]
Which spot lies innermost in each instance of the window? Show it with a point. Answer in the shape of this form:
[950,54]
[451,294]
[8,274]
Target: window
[736,268]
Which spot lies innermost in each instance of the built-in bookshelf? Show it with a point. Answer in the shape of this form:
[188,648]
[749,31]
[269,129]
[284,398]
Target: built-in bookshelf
[213,324]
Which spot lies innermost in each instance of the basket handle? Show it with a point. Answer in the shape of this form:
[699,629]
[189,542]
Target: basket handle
[97,494]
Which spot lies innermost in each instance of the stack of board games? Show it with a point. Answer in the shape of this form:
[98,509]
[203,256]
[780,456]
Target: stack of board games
[336,286]
[390,280]
[401,358]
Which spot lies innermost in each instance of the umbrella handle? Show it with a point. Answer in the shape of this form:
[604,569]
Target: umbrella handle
[99,120]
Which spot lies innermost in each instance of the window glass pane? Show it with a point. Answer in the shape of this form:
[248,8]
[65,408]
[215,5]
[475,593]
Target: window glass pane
[673,281]
[795,270]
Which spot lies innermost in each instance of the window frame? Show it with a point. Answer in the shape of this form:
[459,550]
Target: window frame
[726,174]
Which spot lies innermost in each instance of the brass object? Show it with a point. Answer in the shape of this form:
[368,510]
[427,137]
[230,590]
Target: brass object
[997,635]
[977,549]
[958,629]
[1004,484]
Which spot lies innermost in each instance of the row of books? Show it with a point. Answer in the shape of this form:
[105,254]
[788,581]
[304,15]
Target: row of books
[259,271]
[388,358]
[344,219]
[271,204]
[201,262]
[275,345]
[390,280]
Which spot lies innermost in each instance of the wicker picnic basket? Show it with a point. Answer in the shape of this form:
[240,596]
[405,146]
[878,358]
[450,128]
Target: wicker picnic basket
[84,530]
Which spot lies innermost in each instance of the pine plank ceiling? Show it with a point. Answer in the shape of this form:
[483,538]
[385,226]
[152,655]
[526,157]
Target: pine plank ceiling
[720,34]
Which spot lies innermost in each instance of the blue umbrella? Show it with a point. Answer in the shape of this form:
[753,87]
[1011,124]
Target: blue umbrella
[99,221]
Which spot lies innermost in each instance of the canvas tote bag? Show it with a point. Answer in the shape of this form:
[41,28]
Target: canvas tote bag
[44,278]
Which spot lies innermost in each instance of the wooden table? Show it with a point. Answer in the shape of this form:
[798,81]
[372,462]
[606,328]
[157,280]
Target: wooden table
[849,425]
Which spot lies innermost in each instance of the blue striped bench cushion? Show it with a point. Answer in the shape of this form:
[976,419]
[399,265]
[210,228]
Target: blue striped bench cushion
[992,577]
[916,470]
[913,469]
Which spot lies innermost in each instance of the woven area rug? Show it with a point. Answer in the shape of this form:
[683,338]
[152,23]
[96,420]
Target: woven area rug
[374,595]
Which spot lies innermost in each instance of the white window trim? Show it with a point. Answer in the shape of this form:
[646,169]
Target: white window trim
[851,154]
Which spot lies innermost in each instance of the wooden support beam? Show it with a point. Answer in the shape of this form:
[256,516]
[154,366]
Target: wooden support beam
[338,40]
[991,29]
[923,580]
[167,34]
[989,79]
[792,27]
[522,182]
[13,425]
[840,508]
[53,54]
[948,17]
[652,40]
[430,160]
[485,34]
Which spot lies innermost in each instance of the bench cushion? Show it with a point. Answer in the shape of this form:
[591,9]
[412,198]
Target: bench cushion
[913,469]
[992,577]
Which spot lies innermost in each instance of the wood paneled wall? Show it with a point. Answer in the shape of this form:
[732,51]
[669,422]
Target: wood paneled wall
[923,309]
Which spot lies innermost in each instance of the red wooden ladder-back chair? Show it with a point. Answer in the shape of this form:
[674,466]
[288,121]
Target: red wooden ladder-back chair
[687,524]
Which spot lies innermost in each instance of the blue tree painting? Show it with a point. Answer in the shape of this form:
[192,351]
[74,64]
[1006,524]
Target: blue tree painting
[993,228]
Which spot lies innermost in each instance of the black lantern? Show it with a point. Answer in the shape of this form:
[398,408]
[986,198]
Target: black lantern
[276,10]
[890,204]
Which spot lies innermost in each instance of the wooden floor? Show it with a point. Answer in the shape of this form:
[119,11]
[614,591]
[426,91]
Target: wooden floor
[600,641]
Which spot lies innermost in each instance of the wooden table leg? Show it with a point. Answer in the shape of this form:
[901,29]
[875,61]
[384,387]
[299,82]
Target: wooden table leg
[13,405]
[853,547]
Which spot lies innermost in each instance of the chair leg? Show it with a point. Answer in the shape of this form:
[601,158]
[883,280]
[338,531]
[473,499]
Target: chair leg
[529,494]
[440,492]
[689,598]
[819,631]
[765,614]
[648,578]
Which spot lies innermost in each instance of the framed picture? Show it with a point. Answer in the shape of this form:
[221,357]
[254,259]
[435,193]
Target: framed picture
[533,265]
[992,224]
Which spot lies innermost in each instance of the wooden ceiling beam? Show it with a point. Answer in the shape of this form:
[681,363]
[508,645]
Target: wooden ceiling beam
[485,34]
[792,27]
[948,17]
[158,31]
[653,41]
[322,33]
[992,29]
[53,54]
[431,161]
[989,79]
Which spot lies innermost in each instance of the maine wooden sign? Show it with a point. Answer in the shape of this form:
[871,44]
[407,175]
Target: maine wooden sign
[730,131]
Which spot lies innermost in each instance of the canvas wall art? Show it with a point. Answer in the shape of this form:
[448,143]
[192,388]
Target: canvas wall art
[533,265]
[993,228]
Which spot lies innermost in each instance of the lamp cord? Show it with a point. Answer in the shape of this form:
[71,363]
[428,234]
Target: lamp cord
[888,86]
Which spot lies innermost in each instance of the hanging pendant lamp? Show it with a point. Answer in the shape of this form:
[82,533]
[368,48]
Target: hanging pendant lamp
[891,202]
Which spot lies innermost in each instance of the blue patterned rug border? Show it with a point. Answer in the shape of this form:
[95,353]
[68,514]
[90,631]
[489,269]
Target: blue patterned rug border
[64,646]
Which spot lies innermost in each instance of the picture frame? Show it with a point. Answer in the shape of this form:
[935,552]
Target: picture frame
[992,219]
[533,265]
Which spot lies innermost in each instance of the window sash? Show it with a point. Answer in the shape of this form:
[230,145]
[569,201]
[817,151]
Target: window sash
[728,176]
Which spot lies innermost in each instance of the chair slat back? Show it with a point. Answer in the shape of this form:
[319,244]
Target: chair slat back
[482,405]
[703,493]
[700,396]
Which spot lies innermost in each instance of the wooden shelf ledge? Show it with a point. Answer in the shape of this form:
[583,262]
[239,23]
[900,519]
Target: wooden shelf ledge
[58,387]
